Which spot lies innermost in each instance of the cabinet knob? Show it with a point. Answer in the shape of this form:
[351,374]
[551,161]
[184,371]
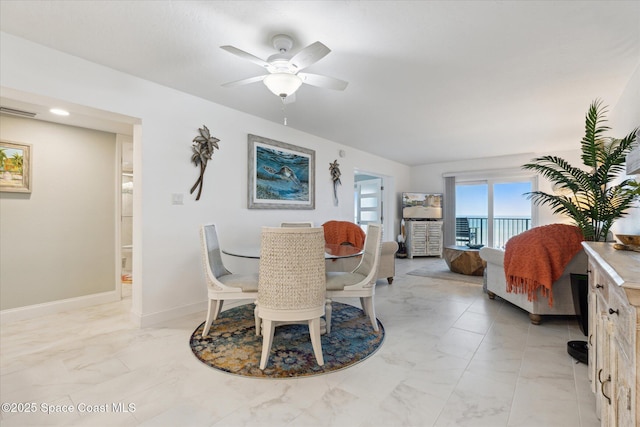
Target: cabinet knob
[599,286]
[612,311]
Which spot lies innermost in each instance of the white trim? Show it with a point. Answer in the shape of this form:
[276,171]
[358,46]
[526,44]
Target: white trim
[486,174]
[54,307]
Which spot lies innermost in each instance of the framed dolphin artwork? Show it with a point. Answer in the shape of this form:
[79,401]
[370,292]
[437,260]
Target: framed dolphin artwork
[281,175]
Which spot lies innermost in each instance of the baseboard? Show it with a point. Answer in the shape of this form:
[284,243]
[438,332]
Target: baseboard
[147,320]
[54,307]
[154,319]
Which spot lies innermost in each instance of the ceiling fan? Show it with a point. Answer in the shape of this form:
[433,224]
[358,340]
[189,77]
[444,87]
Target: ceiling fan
[284,68]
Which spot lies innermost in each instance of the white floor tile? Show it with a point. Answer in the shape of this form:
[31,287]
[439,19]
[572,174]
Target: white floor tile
[451,357]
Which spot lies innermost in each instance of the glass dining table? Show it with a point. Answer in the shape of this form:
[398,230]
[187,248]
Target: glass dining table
[331,251]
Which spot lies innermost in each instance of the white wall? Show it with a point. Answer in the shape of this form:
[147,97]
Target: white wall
[625,116]
[58,242]
[168,279]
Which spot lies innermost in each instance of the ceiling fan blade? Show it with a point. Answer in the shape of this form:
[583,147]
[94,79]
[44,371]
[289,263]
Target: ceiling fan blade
[245,55]
[244,81]
[323,81]
[309,55]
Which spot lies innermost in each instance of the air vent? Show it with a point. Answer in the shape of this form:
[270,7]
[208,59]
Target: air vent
[14,112]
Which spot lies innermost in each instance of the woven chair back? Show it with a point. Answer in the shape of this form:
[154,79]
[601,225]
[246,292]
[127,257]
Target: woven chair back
[292,268]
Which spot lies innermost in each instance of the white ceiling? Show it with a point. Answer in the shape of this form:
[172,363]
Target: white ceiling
[429,81]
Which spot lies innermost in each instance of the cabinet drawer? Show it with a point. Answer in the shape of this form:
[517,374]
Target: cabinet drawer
[598,282]
[623,317]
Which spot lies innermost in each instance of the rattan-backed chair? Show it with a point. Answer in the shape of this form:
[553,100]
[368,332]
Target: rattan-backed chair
[221,284]
[361,282]
[296,224]
[291,284]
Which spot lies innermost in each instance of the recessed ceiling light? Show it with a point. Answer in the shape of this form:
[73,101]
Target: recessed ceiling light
[59,112]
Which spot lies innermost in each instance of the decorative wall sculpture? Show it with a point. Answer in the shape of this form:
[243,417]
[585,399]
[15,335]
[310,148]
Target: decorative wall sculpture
[334,168]
[203,146]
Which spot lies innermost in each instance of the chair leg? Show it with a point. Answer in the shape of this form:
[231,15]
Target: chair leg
[390,280]
[316,343]
[210,319]
[268,327]
[218,308]
[363,304]
[257,320]
[327,315]
[371,311]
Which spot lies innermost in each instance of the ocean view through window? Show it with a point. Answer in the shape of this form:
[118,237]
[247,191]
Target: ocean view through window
[495,210]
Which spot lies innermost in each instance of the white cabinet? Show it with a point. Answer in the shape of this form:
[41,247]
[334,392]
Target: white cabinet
[614,333]
[424,238]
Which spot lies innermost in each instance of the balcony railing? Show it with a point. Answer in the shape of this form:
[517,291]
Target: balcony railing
[503,230]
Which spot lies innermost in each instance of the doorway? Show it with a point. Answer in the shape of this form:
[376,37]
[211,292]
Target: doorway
[368,199]
[126,214]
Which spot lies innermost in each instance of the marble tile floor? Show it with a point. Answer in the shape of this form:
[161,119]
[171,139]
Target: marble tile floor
[451,357]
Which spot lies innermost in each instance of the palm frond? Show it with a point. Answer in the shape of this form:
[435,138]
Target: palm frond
[594,203]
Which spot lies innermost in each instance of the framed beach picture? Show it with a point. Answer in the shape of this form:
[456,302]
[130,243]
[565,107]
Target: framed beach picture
[15,167]
[281,175]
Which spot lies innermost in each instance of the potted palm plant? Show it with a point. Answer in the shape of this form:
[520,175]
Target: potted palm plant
[596,197]
[592,198]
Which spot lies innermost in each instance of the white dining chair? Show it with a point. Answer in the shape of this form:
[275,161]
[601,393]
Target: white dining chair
[361,282]
[291,284]
[221,284]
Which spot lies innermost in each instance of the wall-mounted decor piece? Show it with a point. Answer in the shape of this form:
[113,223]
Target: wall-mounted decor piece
[281,175]
[15,167]
[334,168]
[203,146]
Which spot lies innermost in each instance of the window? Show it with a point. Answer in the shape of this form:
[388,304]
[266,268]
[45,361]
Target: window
[490,210]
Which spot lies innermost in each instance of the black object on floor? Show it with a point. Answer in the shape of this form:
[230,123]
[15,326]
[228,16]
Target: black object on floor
[579,351]
[580,291]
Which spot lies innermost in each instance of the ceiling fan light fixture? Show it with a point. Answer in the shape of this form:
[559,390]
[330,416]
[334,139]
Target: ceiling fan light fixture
[282,84]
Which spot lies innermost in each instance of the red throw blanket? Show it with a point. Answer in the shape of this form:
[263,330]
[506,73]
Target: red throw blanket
[536,258]
[340,232]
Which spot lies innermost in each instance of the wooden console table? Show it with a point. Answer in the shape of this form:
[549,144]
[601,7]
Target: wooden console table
[614,333]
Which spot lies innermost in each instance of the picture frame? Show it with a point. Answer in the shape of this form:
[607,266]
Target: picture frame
[281,175]
[15,167]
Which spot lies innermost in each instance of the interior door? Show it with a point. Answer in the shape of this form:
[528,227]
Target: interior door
[368,202]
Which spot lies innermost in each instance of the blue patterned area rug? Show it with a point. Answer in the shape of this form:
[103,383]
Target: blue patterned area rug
[233,347]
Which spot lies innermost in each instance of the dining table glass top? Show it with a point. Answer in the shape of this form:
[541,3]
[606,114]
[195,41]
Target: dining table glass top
[331,251]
